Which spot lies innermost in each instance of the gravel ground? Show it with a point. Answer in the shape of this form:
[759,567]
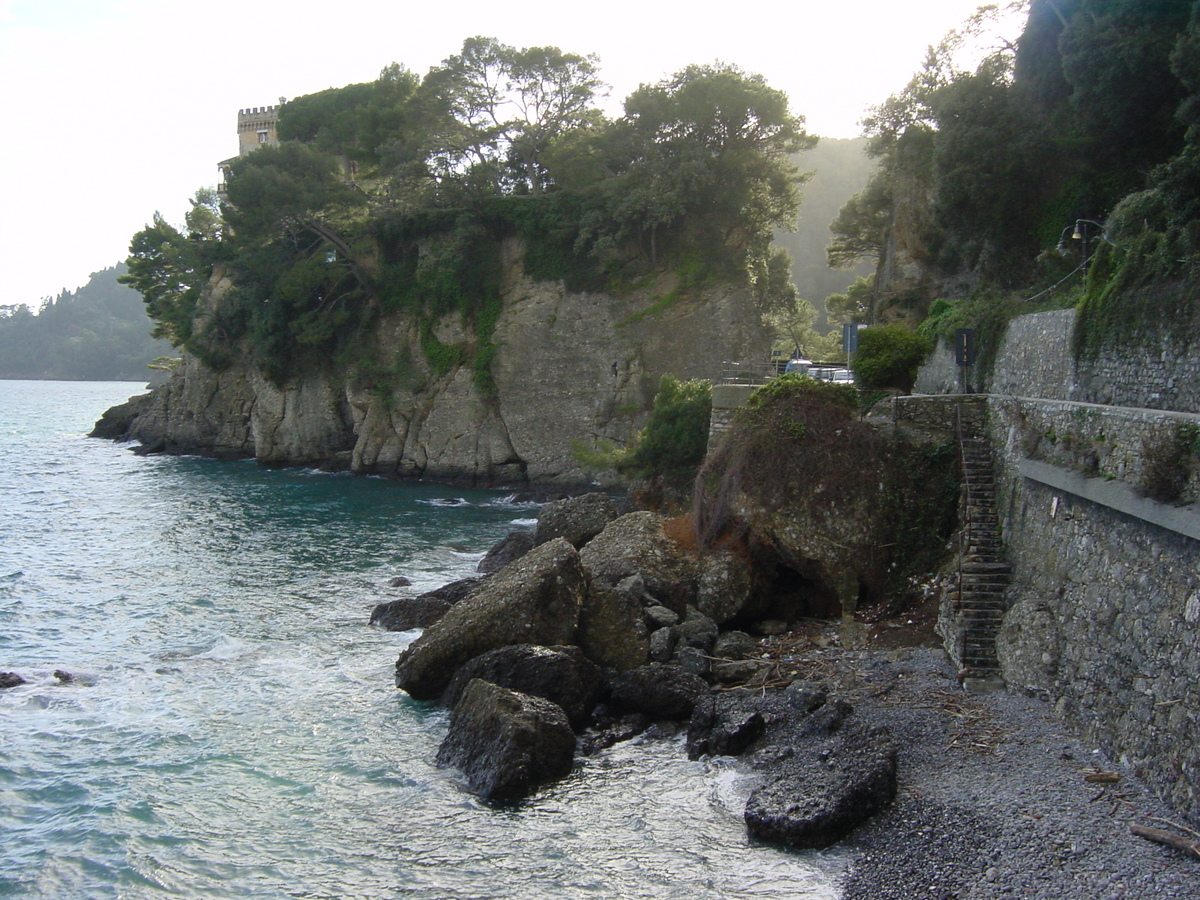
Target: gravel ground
[993,801]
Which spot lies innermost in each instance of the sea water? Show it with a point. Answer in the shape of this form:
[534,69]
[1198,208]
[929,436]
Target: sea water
[232,729]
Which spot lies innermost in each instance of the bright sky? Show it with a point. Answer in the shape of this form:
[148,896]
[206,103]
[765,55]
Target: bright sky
[113,109]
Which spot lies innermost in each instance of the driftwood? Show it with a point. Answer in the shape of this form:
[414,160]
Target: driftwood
[1170,838]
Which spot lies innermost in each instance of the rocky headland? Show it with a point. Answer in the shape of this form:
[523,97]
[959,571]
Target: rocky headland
[571,369]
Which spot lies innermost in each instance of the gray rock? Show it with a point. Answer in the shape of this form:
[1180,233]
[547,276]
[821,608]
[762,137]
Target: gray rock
[611,631]
[423,610]
[662,644]
[660,616]
[635,586]
[659,690]
[823,794]
[720,728]
[115,423]
[692,660]
[1029,646]
[535,600]
[724,586]
[511,547]
[738,671]
[805,696]
[697,630]
[562,675]
[506,743]
[636,544]
[576,519]
[10,679]
[736,645]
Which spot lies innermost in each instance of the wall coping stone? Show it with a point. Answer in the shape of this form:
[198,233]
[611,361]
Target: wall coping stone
[1114,495]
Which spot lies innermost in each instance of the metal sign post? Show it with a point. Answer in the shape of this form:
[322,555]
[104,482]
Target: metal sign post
[964,357]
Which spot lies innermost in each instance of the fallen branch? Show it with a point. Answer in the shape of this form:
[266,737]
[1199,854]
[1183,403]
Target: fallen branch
[1169,838]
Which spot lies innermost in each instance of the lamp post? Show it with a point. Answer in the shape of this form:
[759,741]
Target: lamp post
[1083,233]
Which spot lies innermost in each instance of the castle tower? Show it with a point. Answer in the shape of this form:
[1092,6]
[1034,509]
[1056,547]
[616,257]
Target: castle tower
[256,127]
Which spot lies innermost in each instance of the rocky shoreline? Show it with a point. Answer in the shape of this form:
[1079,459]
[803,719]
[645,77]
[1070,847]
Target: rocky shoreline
[588,631]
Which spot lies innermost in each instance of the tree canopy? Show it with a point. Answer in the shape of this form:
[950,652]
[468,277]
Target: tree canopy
[984,169]
[395,194]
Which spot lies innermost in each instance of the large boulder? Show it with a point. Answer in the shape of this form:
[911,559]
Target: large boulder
[425,609]
[10,679]
[562,675]
[611,629]
[507,743]
[576,519]
[637,544]
[535,600]
[658,690]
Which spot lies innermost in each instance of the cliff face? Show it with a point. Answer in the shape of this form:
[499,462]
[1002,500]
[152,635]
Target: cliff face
[569,368]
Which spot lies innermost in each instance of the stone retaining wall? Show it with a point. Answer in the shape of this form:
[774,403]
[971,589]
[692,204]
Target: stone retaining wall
[1104,610]
[1104,618]
[1036,361]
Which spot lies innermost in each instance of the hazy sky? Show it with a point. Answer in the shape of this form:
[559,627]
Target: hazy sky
[113,109]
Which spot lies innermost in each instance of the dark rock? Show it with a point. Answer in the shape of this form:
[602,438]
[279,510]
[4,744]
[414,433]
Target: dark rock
[562,675]
[611,631]
[509,548]
[697,630]
[10,679]
[820,797]
[63,677]
[400,581]
[695,661]
[506,743]
[735,645]
[535,600]
[576,519]
[659,690]
[738,671]
[718,728]
[662,644]
[114,423]
[613,731]
[805,695]
[636,544]
[660,617]
[425,609]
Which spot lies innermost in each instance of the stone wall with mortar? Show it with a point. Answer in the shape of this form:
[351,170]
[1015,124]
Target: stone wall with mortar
[1036,360]
[1104,610]
[1104,619]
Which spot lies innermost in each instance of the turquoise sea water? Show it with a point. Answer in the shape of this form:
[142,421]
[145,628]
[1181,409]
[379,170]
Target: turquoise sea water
[233,730]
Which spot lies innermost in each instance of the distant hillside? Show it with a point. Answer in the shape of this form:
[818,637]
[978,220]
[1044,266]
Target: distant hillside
[840,170]
[97,333]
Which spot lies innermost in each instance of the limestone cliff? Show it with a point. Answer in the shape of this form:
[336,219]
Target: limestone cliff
[569,368]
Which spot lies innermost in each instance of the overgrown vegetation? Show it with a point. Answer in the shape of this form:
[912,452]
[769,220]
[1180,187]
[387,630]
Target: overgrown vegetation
[675,438]
[397,196]
[799,458]
[888,357]
[1170,457]
[1073,149]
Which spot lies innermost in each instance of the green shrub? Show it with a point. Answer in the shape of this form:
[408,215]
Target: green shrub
[675,438]
[888,357]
